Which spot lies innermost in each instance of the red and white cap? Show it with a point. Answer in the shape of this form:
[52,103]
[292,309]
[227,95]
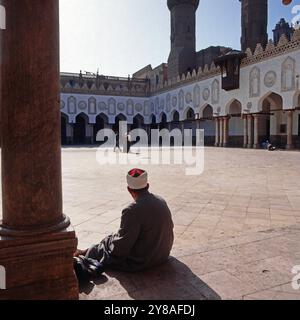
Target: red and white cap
[137,179]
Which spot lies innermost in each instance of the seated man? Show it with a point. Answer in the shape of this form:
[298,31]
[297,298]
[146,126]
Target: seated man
[145,237]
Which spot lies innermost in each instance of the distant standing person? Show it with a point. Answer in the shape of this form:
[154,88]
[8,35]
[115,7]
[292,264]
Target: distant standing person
[127,143]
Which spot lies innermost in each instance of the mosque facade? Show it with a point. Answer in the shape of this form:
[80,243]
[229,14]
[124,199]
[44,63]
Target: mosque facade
[191,90]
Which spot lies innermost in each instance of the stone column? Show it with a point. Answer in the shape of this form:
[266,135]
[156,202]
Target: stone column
[70,133]
[36,242]
[182,125]
[289,144]
[89,133]
[245,131]
[217,139]
[256,131]
[226,131]
[250,131]
[221,130]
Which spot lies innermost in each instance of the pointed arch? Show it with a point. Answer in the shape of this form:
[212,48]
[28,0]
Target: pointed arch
[207,112]
[296,99]
[233,107]
[189,114]
[163,117]
[270,101]
[81,122]
[175,116]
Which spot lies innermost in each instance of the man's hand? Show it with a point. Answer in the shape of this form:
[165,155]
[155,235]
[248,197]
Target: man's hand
[79,252]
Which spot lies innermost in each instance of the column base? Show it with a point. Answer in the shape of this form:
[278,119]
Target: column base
[217,144]
[256,146]
[289,147]
[225,145]
[250,146]
[39,268]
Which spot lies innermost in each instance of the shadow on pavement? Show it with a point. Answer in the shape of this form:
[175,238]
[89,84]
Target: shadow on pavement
[171,281]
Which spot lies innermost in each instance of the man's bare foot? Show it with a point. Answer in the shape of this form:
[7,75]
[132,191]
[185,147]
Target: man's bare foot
[79,252]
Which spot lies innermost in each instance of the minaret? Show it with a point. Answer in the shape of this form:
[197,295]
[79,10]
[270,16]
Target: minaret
[183,37]
[254,23]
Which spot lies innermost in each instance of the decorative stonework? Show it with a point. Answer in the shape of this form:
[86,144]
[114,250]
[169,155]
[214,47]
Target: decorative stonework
[249,106]
[206,94]
[157,105]
[188,98]
[288,75]
[174,101]
[102,106]
[270,79]
[197,96]
[112,106]
[215,92]
[168,102]
[62,104]
[121,106]
[152,107]
[92,106]
[146,108]
[72,109]
[162,104]
[138,107]
[181,99]
[254,83]
[82,105]
[130,107]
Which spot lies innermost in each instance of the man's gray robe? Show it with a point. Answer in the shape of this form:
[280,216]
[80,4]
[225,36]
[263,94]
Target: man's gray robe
[144,240]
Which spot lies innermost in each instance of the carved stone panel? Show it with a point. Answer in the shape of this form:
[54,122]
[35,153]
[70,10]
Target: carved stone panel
[181,99]
[270,79]
[168,102]
[197,96]
[92,106]
[82,105]
[206,94]
[288,75]
[215,92]
[254,83]
[72,108]
[112,106]
[130,107]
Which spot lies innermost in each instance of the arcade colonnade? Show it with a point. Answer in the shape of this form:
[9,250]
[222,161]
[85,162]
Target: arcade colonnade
[236,129]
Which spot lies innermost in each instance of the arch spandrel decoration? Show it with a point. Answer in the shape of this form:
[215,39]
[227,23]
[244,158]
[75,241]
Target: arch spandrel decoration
[72,107]
[112,108]
[181,99]
[254,83]
[197,96]
[288,74]
[168,102]
[215,99]
[92,105]
[146,108]
[130,107]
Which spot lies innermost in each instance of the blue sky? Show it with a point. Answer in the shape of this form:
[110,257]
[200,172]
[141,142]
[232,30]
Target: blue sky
[121,36]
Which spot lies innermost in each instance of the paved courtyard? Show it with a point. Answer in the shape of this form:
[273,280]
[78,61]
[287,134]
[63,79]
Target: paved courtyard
[237,226]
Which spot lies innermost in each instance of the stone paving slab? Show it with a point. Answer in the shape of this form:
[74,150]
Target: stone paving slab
[237,225]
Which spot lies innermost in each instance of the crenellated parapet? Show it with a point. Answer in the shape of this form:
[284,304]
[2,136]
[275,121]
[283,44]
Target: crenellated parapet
[103,85]
[260,54]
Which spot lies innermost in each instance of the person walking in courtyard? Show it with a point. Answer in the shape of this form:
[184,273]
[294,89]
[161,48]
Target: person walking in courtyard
[144,239]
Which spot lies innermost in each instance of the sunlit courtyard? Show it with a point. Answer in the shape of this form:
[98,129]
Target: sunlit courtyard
[237,225]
